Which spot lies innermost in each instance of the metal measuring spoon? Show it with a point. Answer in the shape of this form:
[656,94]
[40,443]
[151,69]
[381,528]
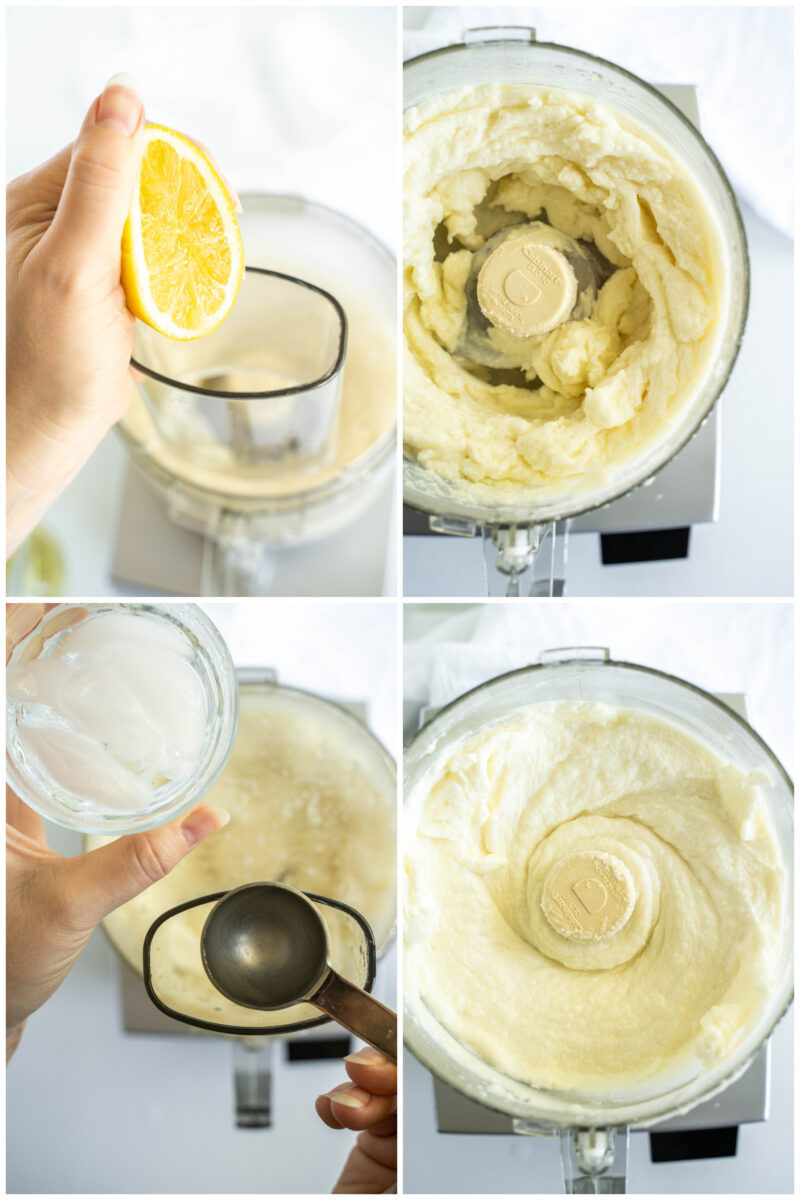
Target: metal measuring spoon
[265,945]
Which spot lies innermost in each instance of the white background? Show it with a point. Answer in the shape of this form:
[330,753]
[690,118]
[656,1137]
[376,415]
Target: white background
[722,647]
[729,53]
[93,1109]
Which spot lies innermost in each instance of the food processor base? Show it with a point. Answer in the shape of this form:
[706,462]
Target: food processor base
[744,1102]
[157,555]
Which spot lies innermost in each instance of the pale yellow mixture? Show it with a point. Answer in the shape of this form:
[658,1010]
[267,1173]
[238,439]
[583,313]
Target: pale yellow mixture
[594,899]
[312,803]
[597,390]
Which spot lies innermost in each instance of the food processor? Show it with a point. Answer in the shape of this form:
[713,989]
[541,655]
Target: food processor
[274,435]
[159,996]
[517,530]
[593,1132]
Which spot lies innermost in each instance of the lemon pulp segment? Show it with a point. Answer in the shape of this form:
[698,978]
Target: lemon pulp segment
[182,257]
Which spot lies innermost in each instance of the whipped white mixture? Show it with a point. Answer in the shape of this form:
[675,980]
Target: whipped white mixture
[594,900]
[112,710]
[312,803]
[570,405]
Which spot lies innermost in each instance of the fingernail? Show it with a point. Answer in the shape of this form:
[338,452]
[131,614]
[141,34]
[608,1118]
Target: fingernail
[123,79]
[367,1058]
[120,105]
[349,1097]
[222,813]
[201,824]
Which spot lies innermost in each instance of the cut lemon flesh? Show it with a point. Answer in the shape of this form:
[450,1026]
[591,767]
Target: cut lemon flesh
[182,255]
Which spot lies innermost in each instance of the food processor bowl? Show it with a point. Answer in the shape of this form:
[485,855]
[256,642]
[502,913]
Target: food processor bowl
[513,56]
[256,683]
[249,514]
[586,675]
[252,1054]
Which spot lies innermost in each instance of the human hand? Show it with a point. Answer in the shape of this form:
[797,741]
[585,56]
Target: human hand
[367,1103]
[69,331]
[53,903]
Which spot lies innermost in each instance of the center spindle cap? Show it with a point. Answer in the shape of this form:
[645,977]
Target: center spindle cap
[526,288]
[588,896]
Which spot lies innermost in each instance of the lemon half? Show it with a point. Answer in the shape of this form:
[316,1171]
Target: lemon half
[182,254]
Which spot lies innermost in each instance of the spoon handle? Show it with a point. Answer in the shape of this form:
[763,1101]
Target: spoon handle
[359,1012]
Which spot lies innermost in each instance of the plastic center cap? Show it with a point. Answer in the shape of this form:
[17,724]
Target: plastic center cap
[526,288]
[588,896]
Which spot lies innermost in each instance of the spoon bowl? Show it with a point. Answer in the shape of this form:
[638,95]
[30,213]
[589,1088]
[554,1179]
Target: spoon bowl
[264,945]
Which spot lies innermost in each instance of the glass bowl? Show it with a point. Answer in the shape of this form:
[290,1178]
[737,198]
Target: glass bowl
[211,661]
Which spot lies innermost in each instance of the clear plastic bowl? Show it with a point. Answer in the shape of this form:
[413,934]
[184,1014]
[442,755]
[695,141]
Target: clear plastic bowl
[329,250]
[126,927]
[487,59]
[695,712]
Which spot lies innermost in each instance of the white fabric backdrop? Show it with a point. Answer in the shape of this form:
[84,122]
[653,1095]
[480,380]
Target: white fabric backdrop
[740,58]
[342,651]
[722,647]
[289,99]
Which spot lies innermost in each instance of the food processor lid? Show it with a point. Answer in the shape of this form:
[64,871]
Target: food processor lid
[226,393]
[263,680]
[151,985]
[593,659]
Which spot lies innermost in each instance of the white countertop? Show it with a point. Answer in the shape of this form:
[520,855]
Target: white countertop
[288,99]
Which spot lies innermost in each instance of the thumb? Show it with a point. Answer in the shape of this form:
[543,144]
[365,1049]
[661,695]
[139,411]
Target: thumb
[98,882]
[103,171]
